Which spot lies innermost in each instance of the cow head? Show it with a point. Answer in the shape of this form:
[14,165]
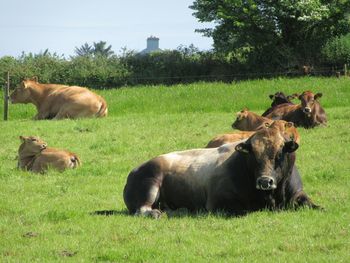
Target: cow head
[268,154]
[32,144]
[308,99]
[287,129]
[241,119]
[22,93]
[278,98]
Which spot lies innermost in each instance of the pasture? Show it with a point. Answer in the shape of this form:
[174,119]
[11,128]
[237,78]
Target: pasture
[79,215]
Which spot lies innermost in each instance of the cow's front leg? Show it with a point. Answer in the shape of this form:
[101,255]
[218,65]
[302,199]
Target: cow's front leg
[301,199]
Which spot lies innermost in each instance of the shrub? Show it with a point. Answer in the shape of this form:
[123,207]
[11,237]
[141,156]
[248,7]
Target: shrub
[337,50]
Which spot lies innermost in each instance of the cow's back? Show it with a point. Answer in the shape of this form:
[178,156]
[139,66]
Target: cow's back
[177,179]
[55,158]
[75,102]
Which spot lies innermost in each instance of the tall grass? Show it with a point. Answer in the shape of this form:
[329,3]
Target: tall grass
[52,217]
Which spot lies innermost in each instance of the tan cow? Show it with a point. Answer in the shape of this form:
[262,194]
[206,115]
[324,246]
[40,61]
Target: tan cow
[250,121]
[228,138]
[54,101]
[34,155]
[286,128]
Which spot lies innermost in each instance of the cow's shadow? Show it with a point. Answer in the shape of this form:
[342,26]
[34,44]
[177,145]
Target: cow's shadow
[109,212]
[179,213]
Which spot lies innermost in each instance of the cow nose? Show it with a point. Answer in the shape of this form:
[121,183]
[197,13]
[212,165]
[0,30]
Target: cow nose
[265,183]
[43,146]
[307,110]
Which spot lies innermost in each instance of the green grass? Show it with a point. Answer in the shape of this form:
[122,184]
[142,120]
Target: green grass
[50,217]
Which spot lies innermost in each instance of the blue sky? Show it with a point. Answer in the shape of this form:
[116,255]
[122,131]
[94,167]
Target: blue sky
[60,26]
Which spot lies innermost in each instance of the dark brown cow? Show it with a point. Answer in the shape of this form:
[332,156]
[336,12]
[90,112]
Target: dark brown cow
[307,114]
[250,121]
[279,98]
[235,178]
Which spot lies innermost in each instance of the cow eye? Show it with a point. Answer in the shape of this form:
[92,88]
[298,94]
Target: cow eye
[33,140]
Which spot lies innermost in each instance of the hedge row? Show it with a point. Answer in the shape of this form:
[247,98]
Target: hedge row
[183,65]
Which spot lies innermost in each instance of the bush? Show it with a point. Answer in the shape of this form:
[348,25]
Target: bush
[337,50]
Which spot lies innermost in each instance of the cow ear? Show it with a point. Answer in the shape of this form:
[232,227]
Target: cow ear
[289,124]
[243,147]
[271,96]
[267,124]
[318,95]
[290,147]
[22,138]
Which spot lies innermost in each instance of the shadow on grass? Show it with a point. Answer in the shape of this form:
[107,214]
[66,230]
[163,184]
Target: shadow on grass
[182,212]
[109,213]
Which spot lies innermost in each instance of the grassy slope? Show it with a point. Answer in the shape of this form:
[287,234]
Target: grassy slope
[147,121]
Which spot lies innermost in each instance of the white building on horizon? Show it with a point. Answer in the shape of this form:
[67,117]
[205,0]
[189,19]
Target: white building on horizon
[152,45]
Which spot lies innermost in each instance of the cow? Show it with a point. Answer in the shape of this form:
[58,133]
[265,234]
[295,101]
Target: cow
[287,129]
[250,121]
[307,114]
[235,179]
[35,156]
[228,138]
[279,98]
[54,101]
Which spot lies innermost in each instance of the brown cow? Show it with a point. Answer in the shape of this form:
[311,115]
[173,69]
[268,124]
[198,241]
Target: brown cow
[34,155]
[228,138]
[279,98]
[54,101]
[308,114]
[250,121]
[235,178]
[287,129]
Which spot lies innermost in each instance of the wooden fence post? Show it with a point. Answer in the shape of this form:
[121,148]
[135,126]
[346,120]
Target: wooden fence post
[345,69]
[6,97]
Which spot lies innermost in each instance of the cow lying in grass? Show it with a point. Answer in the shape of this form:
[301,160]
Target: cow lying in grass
[235,178]
[287,128]
[279,98]
[35,156]
[54,101]
[307,114]
[250,121]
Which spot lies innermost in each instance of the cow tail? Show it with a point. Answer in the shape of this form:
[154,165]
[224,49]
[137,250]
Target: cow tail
[102,112]
[75,160]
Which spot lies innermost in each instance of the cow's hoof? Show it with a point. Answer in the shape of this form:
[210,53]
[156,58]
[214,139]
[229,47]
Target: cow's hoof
[154,213]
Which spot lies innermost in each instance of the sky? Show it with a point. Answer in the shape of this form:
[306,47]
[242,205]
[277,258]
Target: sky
[61,25]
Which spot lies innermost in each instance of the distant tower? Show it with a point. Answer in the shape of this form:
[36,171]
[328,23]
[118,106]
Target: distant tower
[152,45]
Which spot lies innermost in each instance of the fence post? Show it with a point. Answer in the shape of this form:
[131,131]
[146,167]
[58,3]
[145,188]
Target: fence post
[6,97]
[345,69]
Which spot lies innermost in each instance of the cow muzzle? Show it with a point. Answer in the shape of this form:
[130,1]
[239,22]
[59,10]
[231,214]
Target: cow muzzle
[307,110]
[43,146]
[266,183]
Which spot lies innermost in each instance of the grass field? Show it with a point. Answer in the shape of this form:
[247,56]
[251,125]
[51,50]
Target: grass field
[53,217]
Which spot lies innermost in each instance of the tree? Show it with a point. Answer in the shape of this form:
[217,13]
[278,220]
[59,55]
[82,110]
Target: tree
[84,50]
[97,49]
[273,32]
[100,49]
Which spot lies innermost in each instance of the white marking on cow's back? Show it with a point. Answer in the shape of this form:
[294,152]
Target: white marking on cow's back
[199,164]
